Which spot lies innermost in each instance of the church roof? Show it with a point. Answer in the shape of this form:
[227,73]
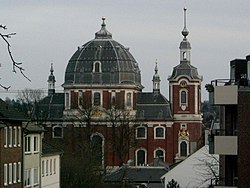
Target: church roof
[102,61]
[52,106]
[153,106]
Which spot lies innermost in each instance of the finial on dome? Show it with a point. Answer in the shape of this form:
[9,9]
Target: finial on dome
[185,31]
[103,21]
[51,68]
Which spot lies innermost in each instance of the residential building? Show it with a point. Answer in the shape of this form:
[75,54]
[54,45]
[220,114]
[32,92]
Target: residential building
[230,140]
[50,166]
[11,156]
[32,149]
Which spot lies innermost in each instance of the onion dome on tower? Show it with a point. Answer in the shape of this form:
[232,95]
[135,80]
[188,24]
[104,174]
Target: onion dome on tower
[102,62]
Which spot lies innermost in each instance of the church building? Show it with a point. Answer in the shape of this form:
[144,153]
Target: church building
[103,101]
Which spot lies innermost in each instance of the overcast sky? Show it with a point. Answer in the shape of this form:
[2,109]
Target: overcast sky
[50,31]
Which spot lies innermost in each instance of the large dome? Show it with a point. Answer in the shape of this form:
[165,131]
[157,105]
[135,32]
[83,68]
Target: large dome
[102,61]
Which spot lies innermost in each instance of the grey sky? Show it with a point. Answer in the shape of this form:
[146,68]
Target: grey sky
[50,31]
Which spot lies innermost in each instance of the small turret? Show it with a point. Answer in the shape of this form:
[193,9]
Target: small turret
[156,80]
[51,81]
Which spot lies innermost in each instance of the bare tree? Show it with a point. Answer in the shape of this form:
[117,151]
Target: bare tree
[123,125]
[15,65]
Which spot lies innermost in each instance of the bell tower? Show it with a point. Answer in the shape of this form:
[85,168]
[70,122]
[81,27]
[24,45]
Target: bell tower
[185,99]
[51,81]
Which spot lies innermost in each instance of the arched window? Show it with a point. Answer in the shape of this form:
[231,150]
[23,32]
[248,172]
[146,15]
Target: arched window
[159,132]
[129,99]
[183,149]
[160,154]
[97,99]
[57,131]
[141,157]
[97,143]
[183,98]
[141,132]
[97,67]
[184,55]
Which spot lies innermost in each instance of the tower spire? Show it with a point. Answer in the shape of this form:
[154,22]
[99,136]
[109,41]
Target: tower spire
[156,80]
[185,31]
[51,81]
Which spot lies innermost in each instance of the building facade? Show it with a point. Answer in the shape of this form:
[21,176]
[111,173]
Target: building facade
[230,140]
[103,98]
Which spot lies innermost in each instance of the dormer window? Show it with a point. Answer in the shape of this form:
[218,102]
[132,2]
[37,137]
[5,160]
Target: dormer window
[97,66]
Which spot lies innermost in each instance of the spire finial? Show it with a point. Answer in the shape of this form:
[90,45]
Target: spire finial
[103,21]
[51,68]
[185,31]
[156,68]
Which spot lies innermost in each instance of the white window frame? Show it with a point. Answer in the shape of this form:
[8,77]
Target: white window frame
[164,132]
[19,136]
[164,153]
[131,100]
[35,176]
[5,137]
[183,126]
[27,146]
[42,171]
[93,98]
[19,172]
[145,129]
[36,144]
[136,156]
[10,137]
[180,97]
[54,166]
[14,172]
[14,136]
[179,147]
[5,174]
[10,173]
[94,67]
[67,100]
[80,98]
[53,133]
[27,178]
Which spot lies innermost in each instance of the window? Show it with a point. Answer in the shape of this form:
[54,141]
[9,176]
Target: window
[80,98]
[10,137]
[183,148]
[67,101]
[50,166]
[19,172]
[35,176]
[19,136]
[14,172]
[10,173]
[113,98]
[5,136]
[183,126]
[27,175]
[47,167]
[42,167]
[14,137]
[97,99]
[159,132]
[184,55]
[129,99]
[57,131]
[97,67]
[54,166]
[183,98]
[36,144]
[141,132]
[97,146]
[140,157]
[160,154]
[27,144]
[5,174]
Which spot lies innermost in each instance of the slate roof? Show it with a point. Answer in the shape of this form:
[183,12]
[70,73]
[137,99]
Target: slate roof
[52,106]
[153,106]
[138,175]
[185,69]
[117,65]
[48,149]
[7,112]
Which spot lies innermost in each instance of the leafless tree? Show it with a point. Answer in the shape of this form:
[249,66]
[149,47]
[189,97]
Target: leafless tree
[123,125]
[15,65]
